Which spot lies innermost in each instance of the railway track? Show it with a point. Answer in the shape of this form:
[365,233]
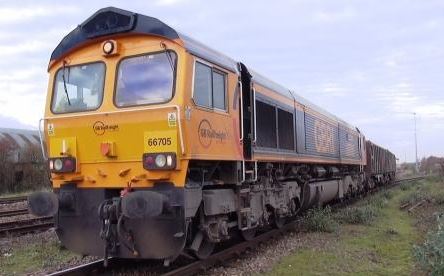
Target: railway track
[20,227]
[97,268]
[398,181]
[92,268]
[12,199]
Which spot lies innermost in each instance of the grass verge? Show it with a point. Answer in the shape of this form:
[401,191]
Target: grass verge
[33,257]
[430,254]
[375,237]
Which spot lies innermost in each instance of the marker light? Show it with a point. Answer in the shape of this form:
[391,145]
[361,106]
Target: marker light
[68,165]
[148,161]
[159,161]
[62,164]
[169,160]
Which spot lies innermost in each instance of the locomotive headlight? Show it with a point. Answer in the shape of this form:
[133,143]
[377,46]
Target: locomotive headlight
[58,164]
[108,47]
[160,160]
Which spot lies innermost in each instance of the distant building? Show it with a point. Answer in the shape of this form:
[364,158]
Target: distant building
[20,140]
[21,161]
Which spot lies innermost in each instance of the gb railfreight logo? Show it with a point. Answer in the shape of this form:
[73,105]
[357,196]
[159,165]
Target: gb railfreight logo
[207,134]
[100,127]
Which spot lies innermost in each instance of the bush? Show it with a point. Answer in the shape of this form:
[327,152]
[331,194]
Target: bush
[387,194]
[424,187]
[320,220]
[438,198]
[434,178]
[357,215]
[392,231]
[430,254]
[378,202]
[405,186]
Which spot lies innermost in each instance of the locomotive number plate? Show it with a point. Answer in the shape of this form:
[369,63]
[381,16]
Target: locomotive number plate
[160,141]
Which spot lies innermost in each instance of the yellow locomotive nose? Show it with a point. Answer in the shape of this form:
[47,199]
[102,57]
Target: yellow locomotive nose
[113,150]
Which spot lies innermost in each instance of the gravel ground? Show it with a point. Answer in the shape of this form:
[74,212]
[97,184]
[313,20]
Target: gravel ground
[264,257]
[16,218]
[14,206]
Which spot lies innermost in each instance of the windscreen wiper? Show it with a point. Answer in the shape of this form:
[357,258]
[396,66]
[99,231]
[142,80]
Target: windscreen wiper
[168,54]
[64,82]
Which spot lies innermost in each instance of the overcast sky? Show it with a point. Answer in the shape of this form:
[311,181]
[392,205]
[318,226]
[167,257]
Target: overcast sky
[372,63]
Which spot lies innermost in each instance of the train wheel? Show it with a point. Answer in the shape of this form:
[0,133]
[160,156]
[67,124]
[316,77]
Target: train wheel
[278,222]
[295,206]
[205,249]
[249,234]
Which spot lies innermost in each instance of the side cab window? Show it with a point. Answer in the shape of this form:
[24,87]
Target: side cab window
[209,87]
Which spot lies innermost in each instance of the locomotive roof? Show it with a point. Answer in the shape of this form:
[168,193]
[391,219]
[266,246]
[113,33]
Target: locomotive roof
[264,81]
[112,20]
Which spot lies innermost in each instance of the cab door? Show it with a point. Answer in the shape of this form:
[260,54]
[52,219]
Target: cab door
[214,131]
[247,112]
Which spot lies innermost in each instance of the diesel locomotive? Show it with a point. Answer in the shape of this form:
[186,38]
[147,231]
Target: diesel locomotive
[158,145]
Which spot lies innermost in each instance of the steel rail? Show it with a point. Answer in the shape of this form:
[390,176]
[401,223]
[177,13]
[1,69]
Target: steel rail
[10,213]
[409,179]
[92,268]
[12,199]
[20,227]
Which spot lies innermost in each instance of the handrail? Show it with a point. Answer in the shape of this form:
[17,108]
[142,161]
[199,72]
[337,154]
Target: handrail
[243,171]
[241,111]
[255,172]
[254,116]
[42,145]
